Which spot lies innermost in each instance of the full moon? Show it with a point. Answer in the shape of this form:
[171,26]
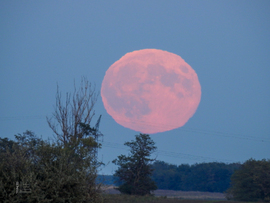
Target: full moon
[151,91]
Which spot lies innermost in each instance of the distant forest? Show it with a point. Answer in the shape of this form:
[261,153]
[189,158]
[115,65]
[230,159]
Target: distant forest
[205,177]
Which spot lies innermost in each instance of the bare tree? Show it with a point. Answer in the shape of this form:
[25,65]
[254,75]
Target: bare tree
[76,109]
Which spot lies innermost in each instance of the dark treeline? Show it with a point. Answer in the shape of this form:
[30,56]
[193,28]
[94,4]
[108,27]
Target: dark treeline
[206,177]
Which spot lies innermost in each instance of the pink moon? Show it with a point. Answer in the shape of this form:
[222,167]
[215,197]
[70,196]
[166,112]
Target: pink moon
[151,91]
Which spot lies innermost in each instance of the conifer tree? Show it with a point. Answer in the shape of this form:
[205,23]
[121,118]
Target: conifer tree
[135,170]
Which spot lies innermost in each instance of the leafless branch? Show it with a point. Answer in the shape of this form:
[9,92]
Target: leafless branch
[77,108]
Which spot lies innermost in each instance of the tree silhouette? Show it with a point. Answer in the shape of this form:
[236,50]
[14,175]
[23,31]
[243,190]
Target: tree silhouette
[135,170]
[251,182]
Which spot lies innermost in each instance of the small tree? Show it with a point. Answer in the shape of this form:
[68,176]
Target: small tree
[71,120]
[135,170]
[76,138]
[251,182]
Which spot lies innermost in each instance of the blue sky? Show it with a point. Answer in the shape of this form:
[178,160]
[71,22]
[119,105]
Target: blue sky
[227,43]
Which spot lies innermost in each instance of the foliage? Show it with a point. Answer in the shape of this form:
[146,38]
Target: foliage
[134,170]
[251,182]
[210,177]
[14,166]
[55,173]
[6,145]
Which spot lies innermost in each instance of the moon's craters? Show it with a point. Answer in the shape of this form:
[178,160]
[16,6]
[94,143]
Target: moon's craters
[184,69]
[169,78]
[134,107]
[158,72]
[180,95]
[124,95]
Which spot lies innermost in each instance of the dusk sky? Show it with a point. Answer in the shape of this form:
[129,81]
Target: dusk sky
[227,43]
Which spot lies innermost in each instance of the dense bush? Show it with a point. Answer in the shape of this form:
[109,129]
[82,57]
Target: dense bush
[251,182]
[53,172]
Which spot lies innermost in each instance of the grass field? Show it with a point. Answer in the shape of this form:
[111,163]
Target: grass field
[111,195]
[171,194]
[116,198]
